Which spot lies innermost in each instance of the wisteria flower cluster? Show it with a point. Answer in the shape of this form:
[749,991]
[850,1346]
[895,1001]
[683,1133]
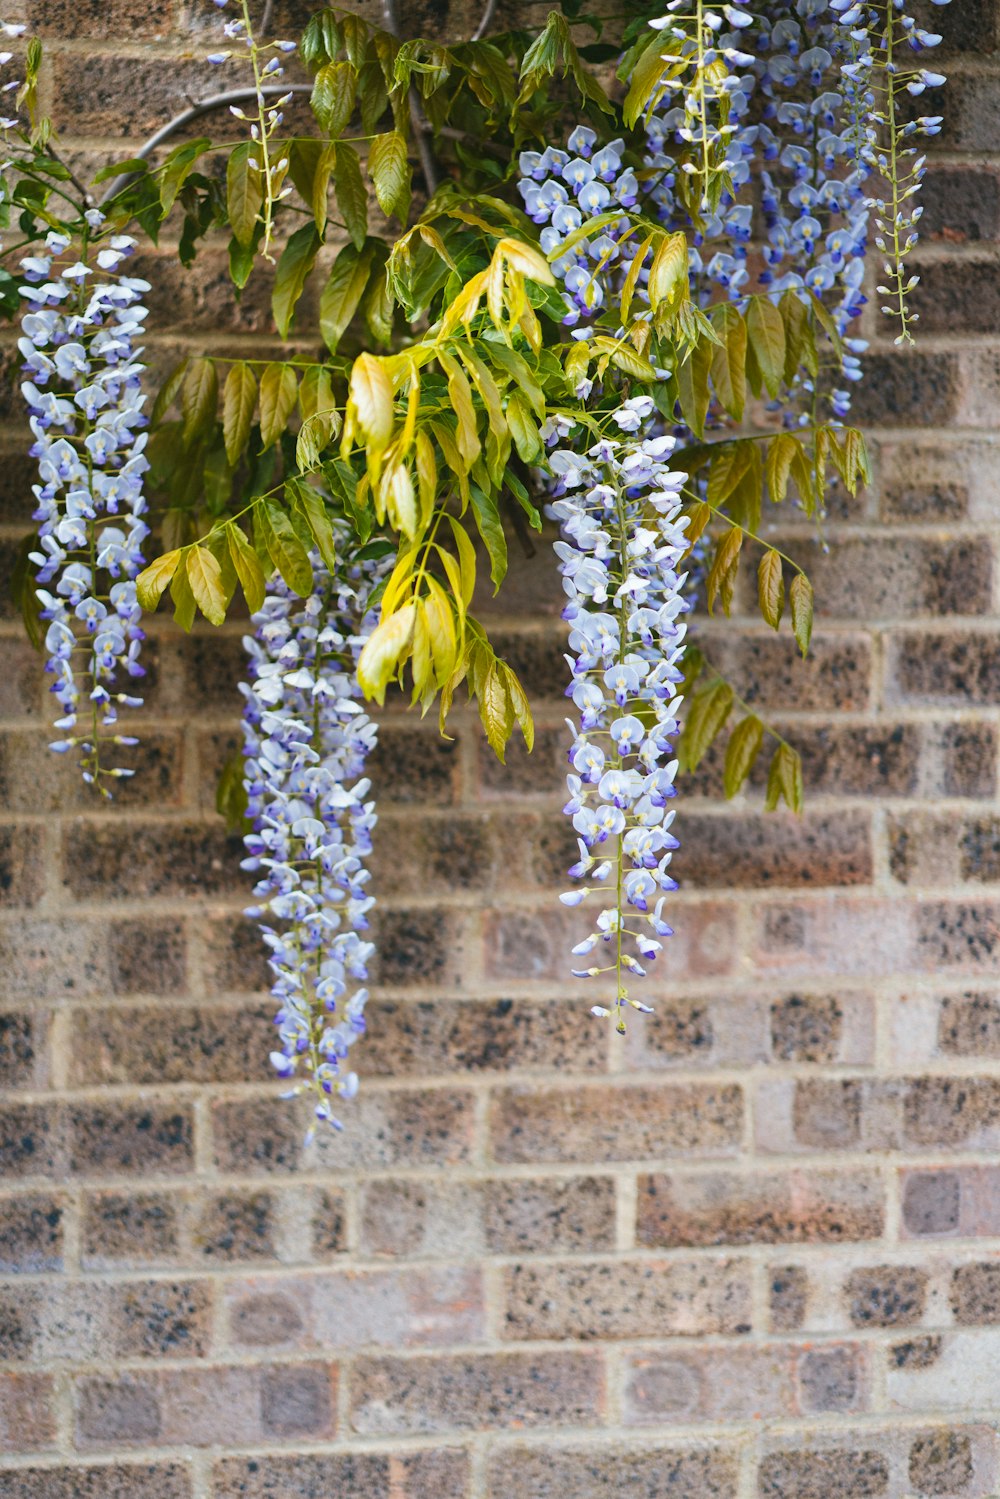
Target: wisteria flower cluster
[83,391]
[306,741]
[563,189]
[622,538]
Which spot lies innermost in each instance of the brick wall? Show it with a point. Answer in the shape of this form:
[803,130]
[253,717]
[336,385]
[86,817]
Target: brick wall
[752,1253]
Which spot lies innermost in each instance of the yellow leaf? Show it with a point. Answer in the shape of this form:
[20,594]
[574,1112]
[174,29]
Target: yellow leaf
[370,395]
[153,579]
[384,650]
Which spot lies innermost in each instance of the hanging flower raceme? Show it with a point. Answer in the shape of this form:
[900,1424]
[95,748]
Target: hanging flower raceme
[83,391]
[622,539]
[307,739]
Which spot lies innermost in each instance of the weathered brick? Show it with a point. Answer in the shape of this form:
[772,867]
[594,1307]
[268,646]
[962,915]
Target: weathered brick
[122,1228]
[24,1049]
[969,755]
[194,859]
[975,1293]
[31,1234]
[398,1397]
[886,1295]
[687,1388]
[788,1295]
[607,1472]
[53,958]
[432,1036]
[969,1025]
[19,1322]
[779,1207]
[21,870]
[850,935]
[148,956]
[171,1480]
[940,1462]
[183,1044]
[931,1202]
[783,851]
[418,947]
[125,1139]
[96,19]
[855,1474]
[860,578]
[28,1140]
[960,203]
[549,1216]
[412,1475]
[831,1378]
[807,1028]
[234,1226]
[836,675]
[958,303]
[27,1413]
[961,667]
[593,1123]
[350,1309]
[944,1112]
[853,759]
[651,1298]
[912,389]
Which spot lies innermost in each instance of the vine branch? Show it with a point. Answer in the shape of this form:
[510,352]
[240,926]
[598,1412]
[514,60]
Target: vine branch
[420,128]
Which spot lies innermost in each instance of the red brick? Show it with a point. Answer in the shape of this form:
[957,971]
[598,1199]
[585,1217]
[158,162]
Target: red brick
[598,1123]
[958,668]
[779,1207]
[782,851]
[627,1299]
[687,1388]
[431,1037]
[181,1044]
[948,1112]
[767,669]
[474,1392]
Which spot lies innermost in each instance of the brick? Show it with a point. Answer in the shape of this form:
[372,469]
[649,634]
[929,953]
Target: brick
[473,1392]
[34,780]
[960,303]
[24,1048]
[964,1374]
[418,947]
[828,1114]
[415,769]
[737,1384]
[915,1353]
[53,958]
[197,859]
[537,658]
[182,1044]
[627,1123]
[836,675]
[831,1378]
[969,754]
[522,773]
[607,1472]
[940,1462]
[401,1218]
[88,93]
[351,1309]
[258,1134]
[807,1028]
[161,1319]
[788,1295]
[119,1228]
[963,936]
[27,1414]
[235,957]
[21,869]
[931,1202]
[784,851]
[234,1226]
[961,667]
[329,1222]
[851,935]
[99,1481]
[786,1207]
[130,1139]
[921,500]
[28,1140]
[969,1025]
[973,117]
[412,1475]
[651,1298]
[853,759]
[975,1293]
[858,579]
[458,853]
[19,1323]
[979,849]
[855,1474]
[94,19]
[550,1216]
[31,1234]
[713,1031]
[945,1112]
[430,1037]
[148,956]
[960,204]
[912,389]
[20,690]
[886,1295]
[208,1407]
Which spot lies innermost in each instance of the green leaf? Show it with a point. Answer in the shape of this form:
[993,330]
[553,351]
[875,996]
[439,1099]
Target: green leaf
[284,547]
[800,596]
[380,301]
[184,604]
[333,95]
[496,709]
[311,506]
[781,450]
[692,387]
[706,716]
[488,524]
[784,779]
[729,360]
[771,588]
[244,191]
[199,398]
[152,581]
[352,196]
[741,752]
[23,589]
[722,574]
[766,331]
[342,293]
[390,173]
[175,170]
[343,482]
[279,391]
[238,401]
[523,428]
[168,392]
[205,577]
[796,316]
[297,260]
[248,569]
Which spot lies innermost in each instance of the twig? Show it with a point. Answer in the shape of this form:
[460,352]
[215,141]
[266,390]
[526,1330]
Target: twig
[486,22]
[70,173]
[265,19]
[420,127]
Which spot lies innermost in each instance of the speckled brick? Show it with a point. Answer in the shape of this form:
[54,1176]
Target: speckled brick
[433,1036]
[169,1480]
[364,1475]
[783,851]
[408,1397]
[608,1471]
[24,1049]
[623,1299]
[27,1413]
[31,1233]
[778,1207]
[183,1044]
[854,1474]
[126,1139]
[886,1295]
[630,1123]
[129,1228]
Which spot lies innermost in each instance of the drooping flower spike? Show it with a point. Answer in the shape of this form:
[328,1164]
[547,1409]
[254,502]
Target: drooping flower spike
[306,741]
[84,396]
